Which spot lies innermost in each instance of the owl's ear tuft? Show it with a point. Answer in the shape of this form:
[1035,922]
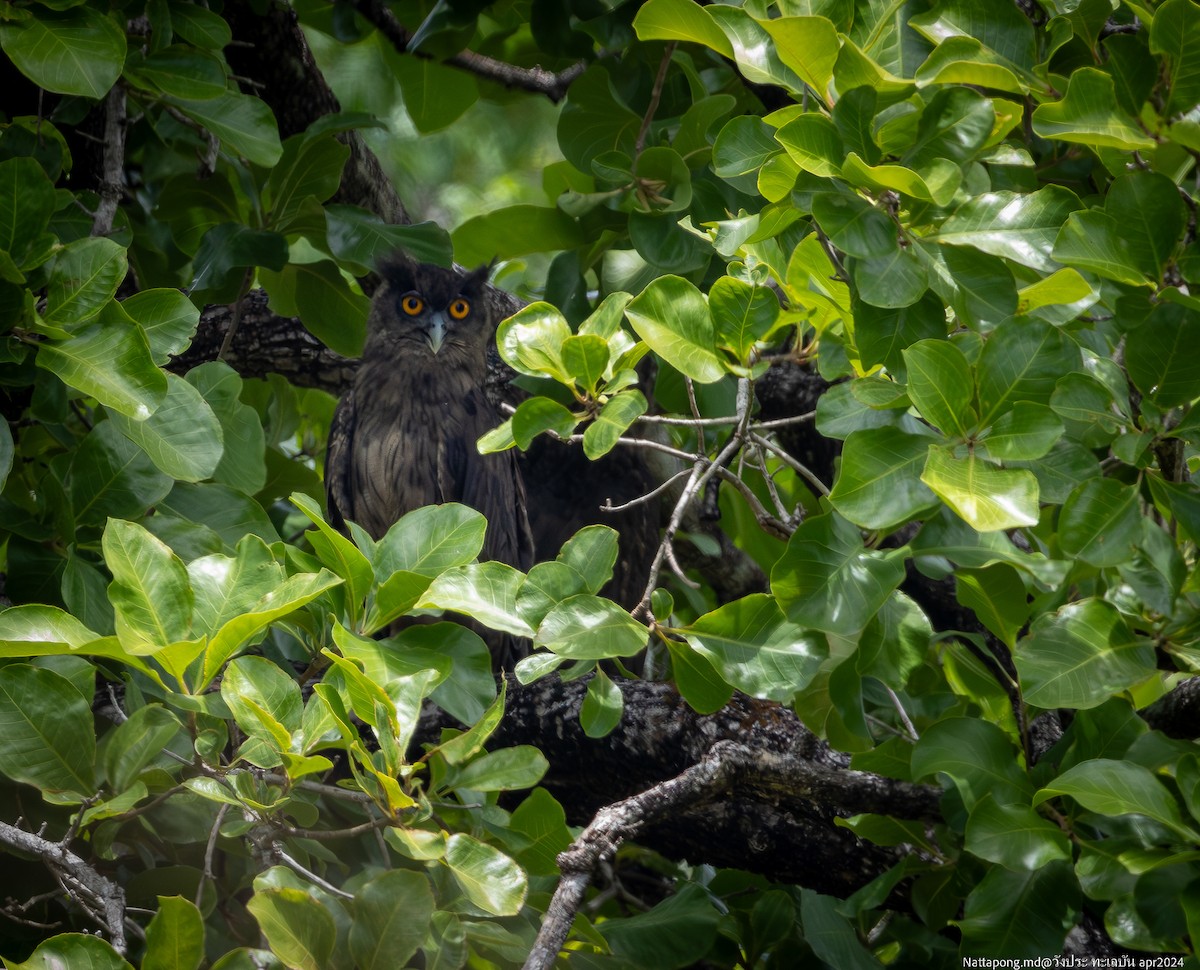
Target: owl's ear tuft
[398,269]
[475,281]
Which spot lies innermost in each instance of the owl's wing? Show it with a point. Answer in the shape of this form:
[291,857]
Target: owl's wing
[492,484]
[339,505]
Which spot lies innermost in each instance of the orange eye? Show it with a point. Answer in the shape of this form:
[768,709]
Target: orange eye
[412,304]
[459,308]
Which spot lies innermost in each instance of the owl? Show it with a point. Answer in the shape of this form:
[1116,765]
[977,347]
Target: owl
[404,435]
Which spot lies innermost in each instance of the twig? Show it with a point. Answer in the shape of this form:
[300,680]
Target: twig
[641,499]
[784,456]
[113,163]
[655,97]
[209,851]
[282,855]
[103,900]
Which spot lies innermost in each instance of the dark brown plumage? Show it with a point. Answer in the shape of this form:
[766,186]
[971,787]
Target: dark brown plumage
[404,435]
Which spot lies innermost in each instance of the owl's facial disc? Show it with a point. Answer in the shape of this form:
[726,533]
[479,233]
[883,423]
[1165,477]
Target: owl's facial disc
[435,331]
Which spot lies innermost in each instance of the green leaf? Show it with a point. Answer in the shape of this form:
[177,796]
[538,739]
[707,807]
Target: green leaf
[1100,521]
[182,437]
[882,334]
[977,756]
[591,553]
[602,706]
[755,649]
[175,936]
[111,476]
[244,124]
[1062,287]
[937,182]
[614,419]
[542,821]
[391,919]
[242,464]
[827,580]
[73,950]
[955,124]
[27,201]
[299,929]
[585,357]
[832,936]
[430,540]
[309,168]
[168,319]
[1119,788]
[1021,361]
[879,484]
[1089,115]
[1080,656]
[813,143]
[754,49]
[150,589]
[531,342]
[508,769]
[1004,32]
[49,737]
[1175,34]
[855,226]
[1014,836]
[1017,226]
[265,701]
[539,414]
[85,277]
[1146,206]
[809,46]
[964,60]
[1093,241]
[488,877]
[940,385]
[434,94]
[136,742]
[997,596]
[988,498]
[742,314]
[1024,914]
[514,231]
[672,317]
[743,145]
[486,591]
[325,302]
[361,238]
[1158,355]
[680,20]
[676,933]
[892,282]
[78,51]
[588,627]
[699,684]
[1025,433]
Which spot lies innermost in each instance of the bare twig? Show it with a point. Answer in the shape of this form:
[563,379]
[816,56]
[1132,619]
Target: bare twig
[103,900]
[282,855]
[655,97]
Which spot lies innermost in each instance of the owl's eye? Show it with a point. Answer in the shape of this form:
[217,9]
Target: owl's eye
[412,304]
[459,308]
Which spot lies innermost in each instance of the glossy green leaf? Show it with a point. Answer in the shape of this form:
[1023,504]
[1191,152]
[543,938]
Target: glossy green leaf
[1158,355]
[1119,788]
[430,540]
[1005,32]
[602,706]
[175,936]
[168,319]
[391,919]
[882,334]
[49,737]
[997,596]
[680,20]
[150,589]
[299,929]
[73,950]
[591,554]
[936,182]
[242,463]
[827,580]
[588,627]
[978,758]
[1145,205]
[894,281]
[136,742]
[27,201]
[111,476]
[85,277]
[1025,433]
[879,485]
[672,316]
[1100,521]
[542,821]
[1175,33]
[1062,287]
[1017,226]
[244,124]
[675,933]
[1089,114]
[434,94]
[955,124]
[813,143]
[486,591]
[614,419]
[508,769]
[1080,656]
[530,341]
[514,231]
[1021,361]
[179,71]
[537,415]
[310,167]
[78,51]
[361,238]
[182,437]
[940,385]
[585,356]
[855,226]
[988,498]
[1025,914]
[755,649]
[1093,241]
[754,50]
[808,45]
[489,878]
[961,59]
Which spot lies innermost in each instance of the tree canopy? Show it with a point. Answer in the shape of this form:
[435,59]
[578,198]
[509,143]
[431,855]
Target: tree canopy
[871,317]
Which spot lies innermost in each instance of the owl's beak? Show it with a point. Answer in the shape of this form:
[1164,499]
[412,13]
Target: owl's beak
[435,336]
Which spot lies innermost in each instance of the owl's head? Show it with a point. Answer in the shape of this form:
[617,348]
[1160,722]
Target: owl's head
[429,310]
